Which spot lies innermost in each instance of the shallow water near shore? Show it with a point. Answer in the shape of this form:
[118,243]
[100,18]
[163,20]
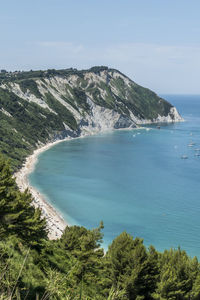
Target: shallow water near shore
[133,180]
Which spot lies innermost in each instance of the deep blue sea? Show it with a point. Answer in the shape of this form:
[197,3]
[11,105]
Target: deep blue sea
[133,180]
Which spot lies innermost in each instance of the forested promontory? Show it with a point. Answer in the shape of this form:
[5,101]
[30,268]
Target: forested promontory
[38,107]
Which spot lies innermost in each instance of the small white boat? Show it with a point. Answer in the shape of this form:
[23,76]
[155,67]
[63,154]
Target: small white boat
[191,144]
[184,157]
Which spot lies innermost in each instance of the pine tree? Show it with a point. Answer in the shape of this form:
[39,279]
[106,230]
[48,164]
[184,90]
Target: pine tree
[132,268]
[17,215]
[84,246]
[177,273]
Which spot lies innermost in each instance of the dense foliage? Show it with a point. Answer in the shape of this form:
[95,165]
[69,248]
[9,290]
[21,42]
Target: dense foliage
[75,266]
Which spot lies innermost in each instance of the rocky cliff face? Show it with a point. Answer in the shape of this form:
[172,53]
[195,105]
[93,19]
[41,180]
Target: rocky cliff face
[40,106]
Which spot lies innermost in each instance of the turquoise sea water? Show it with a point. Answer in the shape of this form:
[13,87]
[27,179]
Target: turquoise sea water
[133,180]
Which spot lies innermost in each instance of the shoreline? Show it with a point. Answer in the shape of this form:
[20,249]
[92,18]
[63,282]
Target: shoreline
[55,222]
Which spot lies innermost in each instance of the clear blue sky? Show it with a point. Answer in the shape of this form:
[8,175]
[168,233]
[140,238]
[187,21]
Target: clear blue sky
[155,42]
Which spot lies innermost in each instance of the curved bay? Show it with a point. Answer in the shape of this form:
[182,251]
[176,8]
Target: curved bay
[132,180]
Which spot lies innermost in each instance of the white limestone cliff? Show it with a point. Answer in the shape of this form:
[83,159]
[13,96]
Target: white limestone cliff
[98,117]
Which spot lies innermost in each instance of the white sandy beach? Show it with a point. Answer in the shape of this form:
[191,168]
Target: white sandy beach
[55,222]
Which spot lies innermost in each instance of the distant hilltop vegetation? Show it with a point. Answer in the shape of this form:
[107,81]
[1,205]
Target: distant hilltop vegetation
[37,107]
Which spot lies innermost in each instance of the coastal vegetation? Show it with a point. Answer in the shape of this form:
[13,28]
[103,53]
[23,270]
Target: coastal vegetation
[75,266]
